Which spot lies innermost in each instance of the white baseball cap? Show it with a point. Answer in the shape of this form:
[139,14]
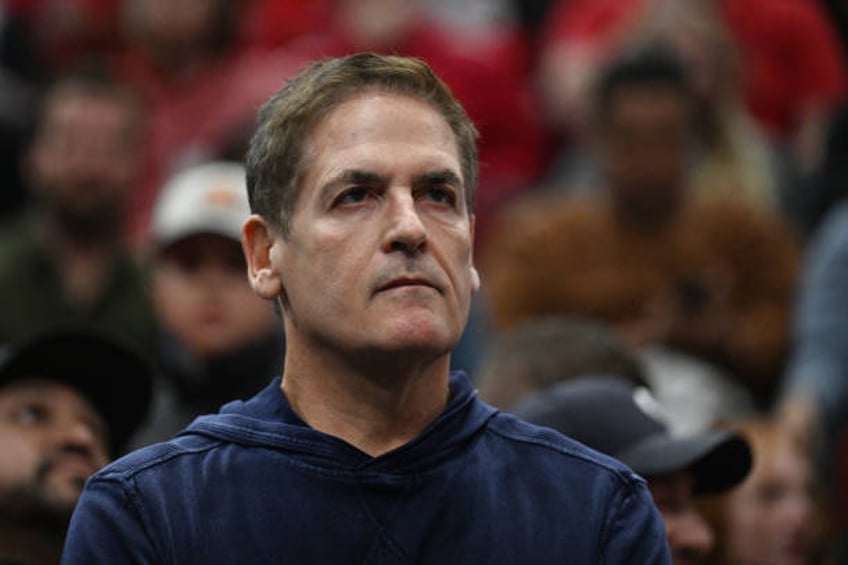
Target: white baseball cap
[207,198]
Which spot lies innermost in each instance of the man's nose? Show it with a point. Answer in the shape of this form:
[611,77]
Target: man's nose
[406,231]
[79,436]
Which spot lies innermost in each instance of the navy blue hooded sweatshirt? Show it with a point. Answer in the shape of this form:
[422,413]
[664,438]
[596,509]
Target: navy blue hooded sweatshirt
[255,484]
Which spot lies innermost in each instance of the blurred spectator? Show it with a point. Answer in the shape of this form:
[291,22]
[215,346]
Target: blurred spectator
[219,341]
[486,74]
[69,398]
[792,66]
[732,156]
[773,518]
[710,277]
[67,259]
[544,351]
[814,404]
[625,422]
[201,88]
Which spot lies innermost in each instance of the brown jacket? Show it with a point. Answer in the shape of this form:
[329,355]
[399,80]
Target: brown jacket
[720,269]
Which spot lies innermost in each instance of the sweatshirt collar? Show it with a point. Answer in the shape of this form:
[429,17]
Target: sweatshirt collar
[268,420]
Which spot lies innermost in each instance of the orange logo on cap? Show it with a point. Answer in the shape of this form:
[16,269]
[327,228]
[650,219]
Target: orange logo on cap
[221,196]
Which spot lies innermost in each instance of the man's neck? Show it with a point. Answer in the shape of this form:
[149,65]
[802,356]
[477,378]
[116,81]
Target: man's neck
[375,409]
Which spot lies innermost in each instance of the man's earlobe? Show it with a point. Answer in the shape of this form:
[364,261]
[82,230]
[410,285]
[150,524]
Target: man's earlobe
[259,241]
[475,280]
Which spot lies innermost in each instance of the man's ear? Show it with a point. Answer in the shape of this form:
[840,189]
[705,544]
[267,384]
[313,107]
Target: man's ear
[475,276]
[260,242]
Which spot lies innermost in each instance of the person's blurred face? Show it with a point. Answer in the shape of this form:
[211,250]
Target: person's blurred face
[771,517]
[689,537]
[85,156]
[51,441]
[203,297]
[379,254]
[645,143]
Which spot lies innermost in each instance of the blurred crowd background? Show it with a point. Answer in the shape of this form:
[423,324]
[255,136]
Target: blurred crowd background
[661,199]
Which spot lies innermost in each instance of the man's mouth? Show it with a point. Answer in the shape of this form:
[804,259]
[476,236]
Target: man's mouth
[402,282]
[69,464]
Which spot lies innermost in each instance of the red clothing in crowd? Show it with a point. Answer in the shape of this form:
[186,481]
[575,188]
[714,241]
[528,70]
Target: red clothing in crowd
[791,57]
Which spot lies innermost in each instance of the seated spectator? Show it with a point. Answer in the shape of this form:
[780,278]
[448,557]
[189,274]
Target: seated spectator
[814,400]
[543,351]
[68,259]
[623,421]
[710,278]
[219,341]
[69,399]
[773,518]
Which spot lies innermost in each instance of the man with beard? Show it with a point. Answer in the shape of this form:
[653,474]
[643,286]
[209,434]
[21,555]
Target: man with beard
[67,259]
[62,414]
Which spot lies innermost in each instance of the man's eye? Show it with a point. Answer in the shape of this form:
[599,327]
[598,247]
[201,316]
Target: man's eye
[440,195]
[30,414]
[353,196]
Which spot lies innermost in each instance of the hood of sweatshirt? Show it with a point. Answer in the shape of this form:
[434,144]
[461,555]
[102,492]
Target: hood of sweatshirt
[267,420]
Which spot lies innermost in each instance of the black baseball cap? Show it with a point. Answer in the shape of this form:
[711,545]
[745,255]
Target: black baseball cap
[104,368]
[619,419]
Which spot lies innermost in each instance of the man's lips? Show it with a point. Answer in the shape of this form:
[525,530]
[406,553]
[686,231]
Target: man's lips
[401,282]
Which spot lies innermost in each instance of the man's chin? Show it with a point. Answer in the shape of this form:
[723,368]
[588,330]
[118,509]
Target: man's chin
[46,508]
[421,338]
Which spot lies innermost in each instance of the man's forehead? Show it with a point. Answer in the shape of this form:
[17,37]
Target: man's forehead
[356,112]
[372,117]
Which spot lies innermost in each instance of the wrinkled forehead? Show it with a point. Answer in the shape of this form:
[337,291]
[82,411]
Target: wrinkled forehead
[360,116]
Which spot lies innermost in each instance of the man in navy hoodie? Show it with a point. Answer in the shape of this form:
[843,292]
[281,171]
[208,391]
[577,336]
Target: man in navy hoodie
[361,178]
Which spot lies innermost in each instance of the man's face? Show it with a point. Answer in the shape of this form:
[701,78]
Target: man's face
[51,441]
[645,142]
[378,257]
[84,160]
[689,537]
[202,296]
[772,515]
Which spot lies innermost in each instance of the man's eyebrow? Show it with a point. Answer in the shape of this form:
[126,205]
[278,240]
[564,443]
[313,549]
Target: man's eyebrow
[443,176]
[349,177]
